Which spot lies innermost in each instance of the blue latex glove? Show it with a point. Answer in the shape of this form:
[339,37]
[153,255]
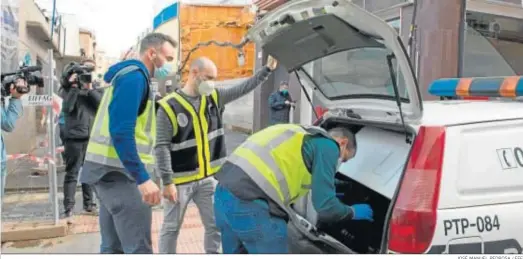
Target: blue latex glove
[362,212]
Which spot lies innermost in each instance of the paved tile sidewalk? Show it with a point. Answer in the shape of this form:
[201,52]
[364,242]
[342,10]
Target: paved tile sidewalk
[191,235]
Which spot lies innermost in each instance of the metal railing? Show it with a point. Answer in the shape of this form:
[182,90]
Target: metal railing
[31,185]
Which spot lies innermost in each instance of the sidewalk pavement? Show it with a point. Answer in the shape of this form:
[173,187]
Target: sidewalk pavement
[84,234]
[84,237]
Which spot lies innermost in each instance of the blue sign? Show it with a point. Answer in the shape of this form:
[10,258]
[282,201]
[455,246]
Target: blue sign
[168,13]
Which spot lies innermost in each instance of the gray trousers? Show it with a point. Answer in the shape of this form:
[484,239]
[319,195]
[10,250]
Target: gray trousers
[125,220]
[202,193]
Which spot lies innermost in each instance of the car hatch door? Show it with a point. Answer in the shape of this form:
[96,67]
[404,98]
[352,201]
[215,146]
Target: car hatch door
[348,50]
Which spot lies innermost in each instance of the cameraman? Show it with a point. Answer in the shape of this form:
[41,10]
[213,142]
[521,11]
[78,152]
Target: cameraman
[9,117]
[80,103]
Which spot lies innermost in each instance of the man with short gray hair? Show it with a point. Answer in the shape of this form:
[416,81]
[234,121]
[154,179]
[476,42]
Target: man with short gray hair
[119,157]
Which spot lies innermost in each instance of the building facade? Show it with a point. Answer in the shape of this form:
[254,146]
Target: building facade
[103,62]
[34,41]
[486,40]
[87,44]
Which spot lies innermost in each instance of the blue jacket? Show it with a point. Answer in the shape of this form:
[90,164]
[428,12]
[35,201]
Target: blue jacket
[130,90]
[279,111]
[9,116]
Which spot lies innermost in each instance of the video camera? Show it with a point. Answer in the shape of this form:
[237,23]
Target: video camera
[30,74]
[83,75]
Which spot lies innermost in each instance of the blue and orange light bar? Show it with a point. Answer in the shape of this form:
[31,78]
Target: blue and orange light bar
[511,86]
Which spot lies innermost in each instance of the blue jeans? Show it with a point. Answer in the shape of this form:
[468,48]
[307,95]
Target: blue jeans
[247,226]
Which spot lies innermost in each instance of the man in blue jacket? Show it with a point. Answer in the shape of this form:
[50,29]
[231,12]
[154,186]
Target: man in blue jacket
[119,157]
[8,120]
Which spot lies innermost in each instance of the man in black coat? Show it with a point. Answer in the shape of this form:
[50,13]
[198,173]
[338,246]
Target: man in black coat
[79,105]
[280,103]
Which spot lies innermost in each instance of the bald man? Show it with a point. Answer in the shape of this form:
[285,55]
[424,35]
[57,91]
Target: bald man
[190,147]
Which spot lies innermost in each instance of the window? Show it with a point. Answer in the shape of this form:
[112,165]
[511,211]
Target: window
[395,23]
[493,46]
[358,73]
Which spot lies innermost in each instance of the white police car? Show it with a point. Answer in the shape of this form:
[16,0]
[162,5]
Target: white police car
[441,176]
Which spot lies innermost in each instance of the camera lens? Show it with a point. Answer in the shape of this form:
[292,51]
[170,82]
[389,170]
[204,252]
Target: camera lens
[22,89]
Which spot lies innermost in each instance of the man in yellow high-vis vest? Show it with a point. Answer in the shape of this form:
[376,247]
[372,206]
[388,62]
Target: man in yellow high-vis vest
[268,173]
[119,158]
[191,147]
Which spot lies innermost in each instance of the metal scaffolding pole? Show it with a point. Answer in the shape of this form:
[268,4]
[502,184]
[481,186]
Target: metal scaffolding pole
[51,162]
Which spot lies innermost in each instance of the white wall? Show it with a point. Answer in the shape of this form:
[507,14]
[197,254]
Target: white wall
[72,35]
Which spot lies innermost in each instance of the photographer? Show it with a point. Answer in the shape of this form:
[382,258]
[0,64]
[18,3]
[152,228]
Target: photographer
[80,103]
[10,115]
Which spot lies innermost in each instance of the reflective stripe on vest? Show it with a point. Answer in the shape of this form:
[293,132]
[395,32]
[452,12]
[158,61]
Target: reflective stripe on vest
[215,165]
[100,148]
[276,165]
[201,141]
[192,142]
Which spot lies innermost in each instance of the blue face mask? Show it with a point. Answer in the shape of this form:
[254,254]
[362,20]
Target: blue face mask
[163,71]
[284,92]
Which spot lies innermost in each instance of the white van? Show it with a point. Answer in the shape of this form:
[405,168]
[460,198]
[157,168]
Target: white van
[441,176]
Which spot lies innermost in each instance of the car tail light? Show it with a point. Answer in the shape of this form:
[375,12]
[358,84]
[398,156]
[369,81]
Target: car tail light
[320,110]
[413,218]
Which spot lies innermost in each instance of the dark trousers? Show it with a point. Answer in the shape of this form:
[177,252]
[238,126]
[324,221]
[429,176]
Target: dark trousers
[125,220]
[62,139]
[75,155]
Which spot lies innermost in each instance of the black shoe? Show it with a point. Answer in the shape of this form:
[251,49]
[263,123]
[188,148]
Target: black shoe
[68,216]
[68,213]
[90,208]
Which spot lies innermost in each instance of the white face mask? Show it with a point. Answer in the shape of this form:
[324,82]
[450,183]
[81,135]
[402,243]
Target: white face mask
[340,161]
[206,87]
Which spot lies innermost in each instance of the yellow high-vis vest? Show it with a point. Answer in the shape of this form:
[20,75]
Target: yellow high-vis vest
[273,159]
[100,149]
[198,143]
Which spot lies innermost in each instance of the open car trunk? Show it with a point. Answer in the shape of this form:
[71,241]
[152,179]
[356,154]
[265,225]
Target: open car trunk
[371,177]
[350,58]
[356,63]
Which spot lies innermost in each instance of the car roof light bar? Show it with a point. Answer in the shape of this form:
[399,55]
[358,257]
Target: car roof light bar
[511,86]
